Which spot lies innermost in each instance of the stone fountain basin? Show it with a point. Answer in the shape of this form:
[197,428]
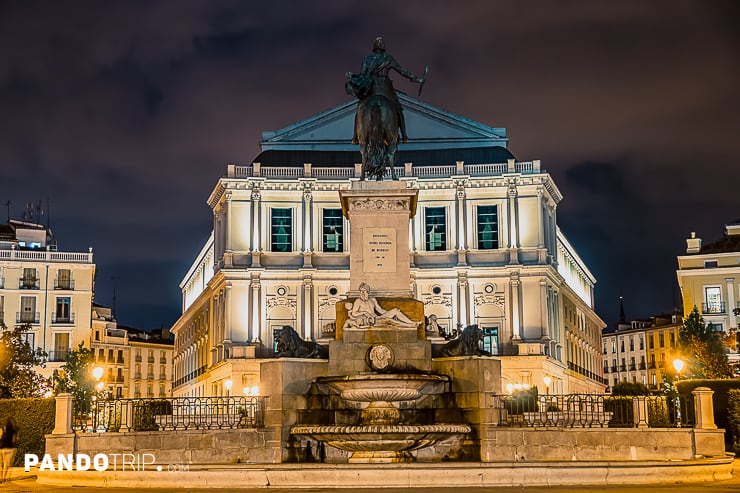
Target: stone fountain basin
[383,387]
[376,438]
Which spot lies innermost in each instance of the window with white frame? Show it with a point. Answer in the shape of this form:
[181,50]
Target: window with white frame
[435,228]
[62,313]
[713,300]
[487,223]
[281,230]
[332,230]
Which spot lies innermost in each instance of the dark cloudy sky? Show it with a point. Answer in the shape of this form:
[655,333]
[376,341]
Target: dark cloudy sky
[124,115]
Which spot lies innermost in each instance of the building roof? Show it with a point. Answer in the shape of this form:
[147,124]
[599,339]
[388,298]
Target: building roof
[730,243]
[439,157]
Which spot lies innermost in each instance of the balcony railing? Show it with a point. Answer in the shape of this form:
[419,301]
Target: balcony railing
[606,369]
[633,367]
[27,317]
[642,366]
[162,361]
[163,376]
[622,367]
[58,355]
[167,414]
[587,373]
[62,319]
[47,255]
[150,359]
[137,376]
[138,358]
[119,378]
[651,366]
[614,368]
[419,170]
[717,307]
[67,284]
[119,360]
[28,283]
[150,376]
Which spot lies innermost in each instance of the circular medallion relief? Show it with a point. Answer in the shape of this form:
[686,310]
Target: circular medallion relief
[380,357]
[281,291]
[490,288]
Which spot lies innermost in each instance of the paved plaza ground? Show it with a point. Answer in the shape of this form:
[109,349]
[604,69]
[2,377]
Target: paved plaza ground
[29,485]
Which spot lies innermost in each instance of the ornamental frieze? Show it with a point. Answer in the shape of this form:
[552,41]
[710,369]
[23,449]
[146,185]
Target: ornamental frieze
[438,299]
[489,299]
[379,205]
[279,301]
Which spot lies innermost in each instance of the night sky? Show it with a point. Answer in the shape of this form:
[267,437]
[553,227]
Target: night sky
[125,114]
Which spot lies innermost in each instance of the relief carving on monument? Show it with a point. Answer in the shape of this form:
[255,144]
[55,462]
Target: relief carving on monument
[366,312]
[379,205]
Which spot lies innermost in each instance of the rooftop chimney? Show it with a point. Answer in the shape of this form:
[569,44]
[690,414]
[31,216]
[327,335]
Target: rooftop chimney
[693,244]
[732,229]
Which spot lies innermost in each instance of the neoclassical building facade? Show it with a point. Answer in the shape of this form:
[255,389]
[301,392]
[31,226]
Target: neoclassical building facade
[485,249]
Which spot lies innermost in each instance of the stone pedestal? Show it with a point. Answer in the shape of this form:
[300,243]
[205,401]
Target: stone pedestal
[379,214]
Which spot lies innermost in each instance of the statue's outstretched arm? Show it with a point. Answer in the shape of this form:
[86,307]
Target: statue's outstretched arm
[406,73]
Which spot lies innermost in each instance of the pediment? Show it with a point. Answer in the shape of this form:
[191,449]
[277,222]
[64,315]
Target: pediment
[428,126]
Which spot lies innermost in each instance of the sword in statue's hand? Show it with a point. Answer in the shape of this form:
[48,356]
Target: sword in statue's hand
[422,80]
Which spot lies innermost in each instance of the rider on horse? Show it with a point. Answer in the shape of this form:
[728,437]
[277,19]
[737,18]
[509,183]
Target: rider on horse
[373,79]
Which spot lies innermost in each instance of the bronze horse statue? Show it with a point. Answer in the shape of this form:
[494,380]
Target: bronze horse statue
[376,127]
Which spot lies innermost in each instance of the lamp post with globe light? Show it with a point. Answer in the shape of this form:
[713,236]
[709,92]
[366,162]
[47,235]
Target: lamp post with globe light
[547,381]
[678,365]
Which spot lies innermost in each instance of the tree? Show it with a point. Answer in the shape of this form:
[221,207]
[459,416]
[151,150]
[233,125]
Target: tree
[18,379]
[75,377]
[704,348]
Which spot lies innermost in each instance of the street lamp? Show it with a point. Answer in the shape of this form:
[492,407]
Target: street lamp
[678,364]
[228,383]
[97,373]
[547,381]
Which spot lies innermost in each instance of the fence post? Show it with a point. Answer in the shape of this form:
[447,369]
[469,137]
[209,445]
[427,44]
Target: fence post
[63,416]
[703,409]
[640,411]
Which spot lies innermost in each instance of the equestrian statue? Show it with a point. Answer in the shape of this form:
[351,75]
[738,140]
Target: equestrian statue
[379,115]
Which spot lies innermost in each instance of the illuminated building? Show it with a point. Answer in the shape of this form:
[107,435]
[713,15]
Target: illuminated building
[485,249]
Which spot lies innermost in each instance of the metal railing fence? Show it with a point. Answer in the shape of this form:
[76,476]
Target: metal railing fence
[168,413]
[526,409]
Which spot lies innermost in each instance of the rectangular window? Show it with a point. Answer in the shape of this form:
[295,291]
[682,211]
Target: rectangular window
[632,344]
[61,346]
[435,224]
[487,227]
[28,310]
[642,343]
[661,339]
[281,230]
[62,313]
[332,230]
[29,337]
[651,341]
[490,340]
[29,279]
[713,300]
[64,279]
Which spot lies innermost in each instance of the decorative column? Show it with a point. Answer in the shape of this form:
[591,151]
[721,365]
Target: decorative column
[227,313]
[256,225]
[544,309]
[461,223]
[513,216]
[307,244]
[514,295]
[307,308]
[640,411]
[463,299]
[730,281]
[256,304]
[228,230]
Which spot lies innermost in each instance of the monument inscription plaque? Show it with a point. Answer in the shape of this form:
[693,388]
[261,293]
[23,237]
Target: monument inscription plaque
[379,250]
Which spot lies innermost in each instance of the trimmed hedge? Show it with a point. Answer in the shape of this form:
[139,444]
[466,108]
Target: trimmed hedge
[35,418]
[721,390]
[733,412]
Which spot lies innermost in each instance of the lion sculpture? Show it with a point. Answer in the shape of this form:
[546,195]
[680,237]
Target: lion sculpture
[288,344]
[465,345]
